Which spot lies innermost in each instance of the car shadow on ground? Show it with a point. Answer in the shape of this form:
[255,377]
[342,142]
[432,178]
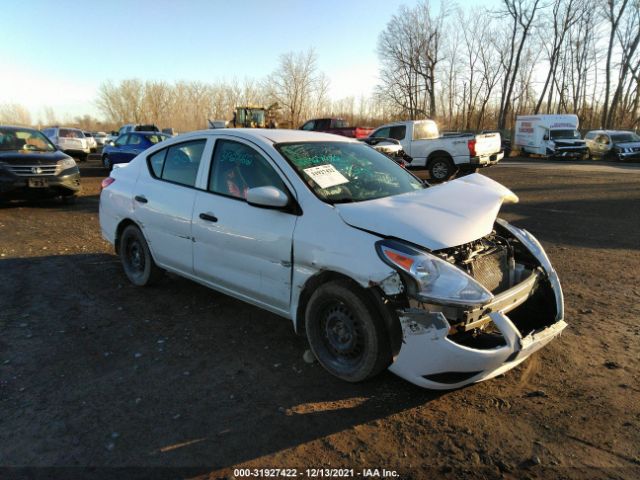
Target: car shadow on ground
[564,222]
[177,374]
[82,204]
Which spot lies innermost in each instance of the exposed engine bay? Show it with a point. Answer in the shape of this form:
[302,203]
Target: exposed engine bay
[501,264]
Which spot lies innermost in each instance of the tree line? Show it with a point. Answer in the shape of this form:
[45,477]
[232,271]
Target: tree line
[468,69]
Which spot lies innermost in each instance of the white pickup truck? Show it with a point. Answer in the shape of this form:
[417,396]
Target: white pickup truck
[443,156]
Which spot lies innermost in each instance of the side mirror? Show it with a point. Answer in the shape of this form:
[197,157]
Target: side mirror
[267,197]
[546,137]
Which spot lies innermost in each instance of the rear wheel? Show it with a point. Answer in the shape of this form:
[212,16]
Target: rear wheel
[441,169]
[345,332]
[136,258]
[68,199]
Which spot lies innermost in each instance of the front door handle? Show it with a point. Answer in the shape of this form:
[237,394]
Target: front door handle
[141,199]
[208,217]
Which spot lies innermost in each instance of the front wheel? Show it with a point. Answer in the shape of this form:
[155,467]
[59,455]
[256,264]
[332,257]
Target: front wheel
[345,332]
[136,258]
[106,163]
[441,169]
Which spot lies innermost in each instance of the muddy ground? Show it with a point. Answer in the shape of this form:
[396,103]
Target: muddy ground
[102,379]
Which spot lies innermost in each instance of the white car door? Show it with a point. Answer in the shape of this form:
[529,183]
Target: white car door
[163,202]
[243,249]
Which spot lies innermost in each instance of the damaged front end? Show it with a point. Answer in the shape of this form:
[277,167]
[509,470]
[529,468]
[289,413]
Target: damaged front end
[474,311]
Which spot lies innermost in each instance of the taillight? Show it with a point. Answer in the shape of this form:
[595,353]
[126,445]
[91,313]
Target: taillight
[472,147]
[106,182]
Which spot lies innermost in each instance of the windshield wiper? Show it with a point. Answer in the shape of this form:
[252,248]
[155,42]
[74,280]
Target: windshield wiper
[342,200]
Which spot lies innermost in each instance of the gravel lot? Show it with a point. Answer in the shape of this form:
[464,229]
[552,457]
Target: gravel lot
[102,379]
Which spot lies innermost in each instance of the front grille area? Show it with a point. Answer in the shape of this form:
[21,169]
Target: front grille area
[33,170]
[492,270]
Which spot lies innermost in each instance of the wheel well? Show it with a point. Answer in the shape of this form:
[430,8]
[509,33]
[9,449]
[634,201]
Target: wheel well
[121,226]
[376,296]
[438,154]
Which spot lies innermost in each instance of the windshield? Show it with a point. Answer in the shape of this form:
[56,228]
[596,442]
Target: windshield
[559,134]
[24,140]
[340,172]
[625,137]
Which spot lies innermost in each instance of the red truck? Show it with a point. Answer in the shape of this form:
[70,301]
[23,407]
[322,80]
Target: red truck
[337,126]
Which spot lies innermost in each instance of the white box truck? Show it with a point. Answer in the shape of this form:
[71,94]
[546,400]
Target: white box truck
[550,136]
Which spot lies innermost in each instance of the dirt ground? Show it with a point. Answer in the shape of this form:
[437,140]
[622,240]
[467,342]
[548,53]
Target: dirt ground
[102,379]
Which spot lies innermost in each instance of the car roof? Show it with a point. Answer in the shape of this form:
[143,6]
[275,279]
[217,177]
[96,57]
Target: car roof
[273,136]
[609,132]
[17,127]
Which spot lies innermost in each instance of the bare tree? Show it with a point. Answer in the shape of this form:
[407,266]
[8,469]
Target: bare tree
[613,16]
[522,13]
[14,113]
[296,85]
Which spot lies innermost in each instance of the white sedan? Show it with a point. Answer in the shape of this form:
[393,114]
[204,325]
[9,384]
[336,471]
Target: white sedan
[376,268]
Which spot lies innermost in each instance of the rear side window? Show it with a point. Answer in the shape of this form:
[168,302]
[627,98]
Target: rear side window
[310,125]
[156,138]
[237,168]
[178,163]
[156,161]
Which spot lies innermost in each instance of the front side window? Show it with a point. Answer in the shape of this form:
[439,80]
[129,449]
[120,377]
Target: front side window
[590,136]
[237,167]
[135,140]
[182,162]
[382,133]
[122,140]
[341,172]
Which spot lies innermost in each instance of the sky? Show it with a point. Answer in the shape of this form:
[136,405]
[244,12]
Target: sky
[56,53]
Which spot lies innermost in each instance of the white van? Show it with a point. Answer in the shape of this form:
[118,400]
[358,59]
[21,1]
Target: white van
[550,135]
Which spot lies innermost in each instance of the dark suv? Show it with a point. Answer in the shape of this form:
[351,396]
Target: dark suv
[31,166]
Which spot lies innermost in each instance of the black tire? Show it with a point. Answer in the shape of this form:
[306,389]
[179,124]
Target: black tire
[441,169]
[137,262]
[68,199]
[346,333]
[106,163]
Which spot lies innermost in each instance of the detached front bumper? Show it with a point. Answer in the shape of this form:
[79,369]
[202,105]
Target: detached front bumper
[431,356]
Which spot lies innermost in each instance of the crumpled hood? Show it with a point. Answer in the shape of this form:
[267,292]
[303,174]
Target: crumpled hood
[443,216]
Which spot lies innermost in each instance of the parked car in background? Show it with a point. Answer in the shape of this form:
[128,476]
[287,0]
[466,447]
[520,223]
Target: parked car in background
[91,141]
[139,127]
[442,156]
[127,146]
[376,269]
[550,135]
[70,140]
[169,131]
[336,126]
[391,148]
[617,145]
[32,166]
[101,138]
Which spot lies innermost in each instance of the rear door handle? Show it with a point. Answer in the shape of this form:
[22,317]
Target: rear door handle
[208,217]
[141,199]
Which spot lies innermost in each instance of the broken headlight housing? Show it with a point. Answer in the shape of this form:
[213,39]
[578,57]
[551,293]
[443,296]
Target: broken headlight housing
[432,279]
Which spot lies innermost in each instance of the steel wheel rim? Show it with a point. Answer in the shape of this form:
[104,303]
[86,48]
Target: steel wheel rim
[342,334]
